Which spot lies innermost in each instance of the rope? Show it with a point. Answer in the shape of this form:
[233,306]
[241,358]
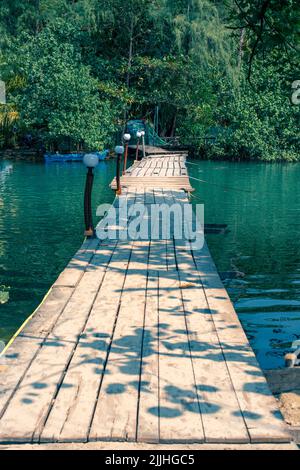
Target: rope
[225,188]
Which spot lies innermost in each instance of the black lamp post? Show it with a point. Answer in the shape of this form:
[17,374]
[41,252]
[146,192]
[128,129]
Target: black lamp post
[91,161]
[119,151]
[139,135]
[143,141]
[126,138]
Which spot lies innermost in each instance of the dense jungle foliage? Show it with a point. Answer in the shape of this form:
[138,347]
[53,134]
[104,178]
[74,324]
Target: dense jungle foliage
[75,71]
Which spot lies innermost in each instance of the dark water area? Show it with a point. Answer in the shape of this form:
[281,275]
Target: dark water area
[41,227]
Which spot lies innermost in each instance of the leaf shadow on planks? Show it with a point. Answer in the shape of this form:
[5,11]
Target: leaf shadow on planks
[178,398]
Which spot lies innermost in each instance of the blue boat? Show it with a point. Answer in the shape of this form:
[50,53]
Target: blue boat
[72,157]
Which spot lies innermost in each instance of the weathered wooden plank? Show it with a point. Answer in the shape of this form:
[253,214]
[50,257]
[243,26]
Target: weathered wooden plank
[22,352]
[148,411]
[179,412]
[222,418]
[259,407]
[180,419]
[25,416]
[72,412]
[76,267]
[159,180]
[225,318]
[115,415]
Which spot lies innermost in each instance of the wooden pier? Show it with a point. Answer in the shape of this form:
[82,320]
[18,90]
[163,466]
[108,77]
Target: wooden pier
[137,341]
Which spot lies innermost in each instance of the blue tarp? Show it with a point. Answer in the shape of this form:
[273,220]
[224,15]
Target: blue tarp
[72,157]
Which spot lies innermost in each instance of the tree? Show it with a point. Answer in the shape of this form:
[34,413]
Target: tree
[269,24]
[75,71]
[60,101]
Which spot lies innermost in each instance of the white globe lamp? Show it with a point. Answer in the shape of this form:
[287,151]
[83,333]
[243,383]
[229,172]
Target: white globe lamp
[90,160]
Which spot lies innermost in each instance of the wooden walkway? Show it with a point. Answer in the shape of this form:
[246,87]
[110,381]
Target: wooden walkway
[137,341]
[171,171]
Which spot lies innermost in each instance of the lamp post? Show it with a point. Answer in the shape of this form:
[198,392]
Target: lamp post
[126,139]
[119,151]
[139,135]
[91,161]
[143,140]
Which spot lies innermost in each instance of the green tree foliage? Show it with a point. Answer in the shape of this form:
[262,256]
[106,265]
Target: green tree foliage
[261,124]
[76,71]
[60,99]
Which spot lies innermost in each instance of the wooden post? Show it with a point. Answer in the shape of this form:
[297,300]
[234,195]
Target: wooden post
[137,150]
[144,149]
[119,189]
[125,159]
[89,229]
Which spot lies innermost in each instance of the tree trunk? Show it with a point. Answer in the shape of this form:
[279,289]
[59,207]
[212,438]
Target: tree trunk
[173,129]
[241,47]
[129,65]
[130,53]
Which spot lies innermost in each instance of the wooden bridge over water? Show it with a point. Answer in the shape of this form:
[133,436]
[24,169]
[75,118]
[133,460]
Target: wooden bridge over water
[138,341]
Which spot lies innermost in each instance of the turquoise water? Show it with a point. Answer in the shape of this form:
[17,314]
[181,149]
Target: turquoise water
[41,227]
[261,205]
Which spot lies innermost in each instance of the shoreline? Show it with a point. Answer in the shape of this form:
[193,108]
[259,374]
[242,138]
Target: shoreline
[32,155]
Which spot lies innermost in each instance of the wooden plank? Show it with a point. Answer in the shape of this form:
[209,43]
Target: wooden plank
[180,419]
[225,318]
[25,416]
[179,413]
[160,180]
[148,421]
[72,412]
[263,423]
[222,418]
[76,267]
[148,411]
[259,407]
[115,415]
[22,352]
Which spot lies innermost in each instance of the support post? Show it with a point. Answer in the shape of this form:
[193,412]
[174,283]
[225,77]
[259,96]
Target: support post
[137,150]
[143,142]
[126,139]
[89,228]
[91,161]
[119,189]
[119,151]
